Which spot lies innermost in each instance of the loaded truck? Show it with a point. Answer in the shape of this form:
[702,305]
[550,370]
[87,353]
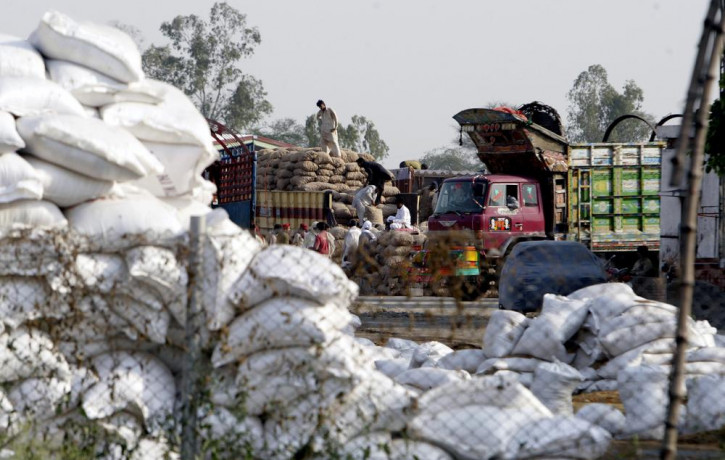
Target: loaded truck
[605,195]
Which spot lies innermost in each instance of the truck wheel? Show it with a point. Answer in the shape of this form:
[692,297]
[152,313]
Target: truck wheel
[466,288]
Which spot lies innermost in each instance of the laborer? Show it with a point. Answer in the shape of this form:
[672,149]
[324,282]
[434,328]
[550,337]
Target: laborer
[322,243]
[298,239]
[377,175]
[327,119]
[350,243]
[401,219]
[362,199]
[309,241]
[643,266]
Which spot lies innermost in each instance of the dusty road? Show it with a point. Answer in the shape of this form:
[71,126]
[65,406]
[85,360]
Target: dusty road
[457,324]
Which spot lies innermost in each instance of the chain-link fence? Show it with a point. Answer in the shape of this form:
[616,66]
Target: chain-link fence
[213,346]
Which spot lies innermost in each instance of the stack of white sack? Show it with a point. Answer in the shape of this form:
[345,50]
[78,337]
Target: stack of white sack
[603,338]
[289,358]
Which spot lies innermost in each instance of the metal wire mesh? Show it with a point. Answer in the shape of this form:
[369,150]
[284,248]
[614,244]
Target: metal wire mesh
[214,346]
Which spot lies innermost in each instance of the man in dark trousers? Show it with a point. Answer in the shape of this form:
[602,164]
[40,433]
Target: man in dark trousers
[377,176]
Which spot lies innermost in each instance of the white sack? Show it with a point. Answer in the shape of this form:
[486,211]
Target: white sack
[553,384]
[503,331]
[277,323]
[713,354]
[18,180]
[542,339]
[285,432]
[392,367]
[706,403]
[227,255]
[158,270]
[237,435]
[87,146]
[94,89]
[65,187]
[567,314]
[471,432]
[32,214]
[182,167]
[603,415]
[502,391]
[25,299]
[633,357]
[492,365]
[10,140]
[467,360]
[29,96]
[26,353]
[429,352]
[121,223]
[285,270]
[376,404]
[628,331]
[559,437]
[174,121]
[97,46]
[425,378]
[131,380]
[18,58]
[39,398]
[642,390]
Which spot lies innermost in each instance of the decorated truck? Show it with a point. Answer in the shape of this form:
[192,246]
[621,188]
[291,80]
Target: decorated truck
[605,195]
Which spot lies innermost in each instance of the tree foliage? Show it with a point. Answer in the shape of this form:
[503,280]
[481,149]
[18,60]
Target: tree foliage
[203,59]
[594,103]
[715,146]
[452,159]
[285,130]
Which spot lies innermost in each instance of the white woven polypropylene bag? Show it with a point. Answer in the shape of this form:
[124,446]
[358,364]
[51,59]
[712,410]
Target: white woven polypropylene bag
[18,58]
[99,47]
[87,146]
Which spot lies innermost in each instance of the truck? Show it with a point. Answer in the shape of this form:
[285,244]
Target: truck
[604,195]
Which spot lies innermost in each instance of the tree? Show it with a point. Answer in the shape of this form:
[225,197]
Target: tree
[594,104]
[312,131]
[360,135]
[203,59]
[715,146]
[452,159]
[286,130]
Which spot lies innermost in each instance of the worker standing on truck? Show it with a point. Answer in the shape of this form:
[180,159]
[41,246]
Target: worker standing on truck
[327,119]
[402,218]
[362,199]
[377,176]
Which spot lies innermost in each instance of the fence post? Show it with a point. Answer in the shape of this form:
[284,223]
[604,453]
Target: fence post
[190,377]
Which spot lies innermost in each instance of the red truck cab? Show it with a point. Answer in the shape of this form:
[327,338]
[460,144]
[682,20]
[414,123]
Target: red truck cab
[498,209]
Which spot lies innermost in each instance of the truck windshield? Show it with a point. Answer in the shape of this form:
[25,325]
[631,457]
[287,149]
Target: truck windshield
[459,197]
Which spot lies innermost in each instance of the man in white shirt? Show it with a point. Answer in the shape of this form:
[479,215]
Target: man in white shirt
[350,244]
[363,198]
[327,118]
[402,218]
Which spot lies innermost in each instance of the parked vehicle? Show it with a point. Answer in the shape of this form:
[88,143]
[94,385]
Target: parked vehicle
[604,196]
[535,268]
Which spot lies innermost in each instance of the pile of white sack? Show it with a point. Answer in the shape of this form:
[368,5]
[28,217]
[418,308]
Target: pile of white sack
[600,338]
[311,170]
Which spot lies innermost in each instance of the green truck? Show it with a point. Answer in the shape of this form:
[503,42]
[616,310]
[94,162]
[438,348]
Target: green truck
[605,195]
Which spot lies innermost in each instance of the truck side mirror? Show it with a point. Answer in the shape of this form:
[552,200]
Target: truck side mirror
[478,189]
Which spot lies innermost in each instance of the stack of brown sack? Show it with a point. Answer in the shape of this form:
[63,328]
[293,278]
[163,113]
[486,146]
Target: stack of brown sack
[385,268]
[311,170]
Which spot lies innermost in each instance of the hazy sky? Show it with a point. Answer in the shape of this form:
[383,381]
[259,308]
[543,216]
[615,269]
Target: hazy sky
[410,65]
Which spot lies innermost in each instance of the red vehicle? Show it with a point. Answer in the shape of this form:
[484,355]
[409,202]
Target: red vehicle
[541,187]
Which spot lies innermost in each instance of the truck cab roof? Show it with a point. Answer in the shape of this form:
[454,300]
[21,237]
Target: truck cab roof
[494,178]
